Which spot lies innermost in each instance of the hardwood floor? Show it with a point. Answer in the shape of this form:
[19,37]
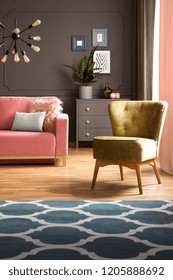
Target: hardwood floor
[73,182]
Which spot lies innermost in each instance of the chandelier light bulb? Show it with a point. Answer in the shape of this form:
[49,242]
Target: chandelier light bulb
[35,48]
[36,23]
[17,39]
[35,38]
[4,59]
[16,30]
[16,57]
[25,57]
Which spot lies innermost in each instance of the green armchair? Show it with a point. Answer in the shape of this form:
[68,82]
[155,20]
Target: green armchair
[137,128]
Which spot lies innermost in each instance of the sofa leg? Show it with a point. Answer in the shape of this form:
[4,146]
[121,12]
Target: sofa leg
[60,161]
[64,160]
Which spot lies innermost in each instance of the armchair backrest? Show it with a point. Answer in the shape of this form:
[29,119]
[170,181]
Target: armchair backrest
[138,118]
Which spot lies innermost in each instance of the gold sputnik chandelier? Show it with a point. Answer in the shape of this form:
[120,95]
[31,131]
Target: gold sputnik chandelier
[17,40]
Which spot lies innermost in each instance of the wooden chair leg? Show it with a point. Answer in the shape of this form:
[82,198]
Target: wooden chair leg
[156,172]
[95,175]
[121,172]
[138,173]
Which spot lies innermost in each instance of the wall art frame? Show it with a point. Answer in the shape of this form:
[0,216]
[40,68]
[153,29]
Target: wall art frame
[102,59]
[79,43]
[99,37]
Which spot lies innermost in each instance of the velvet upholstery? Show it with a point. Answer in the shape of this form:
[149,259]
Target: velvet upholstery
[120,148]
[31,146]
[137,128]
[137,118]
[30,143]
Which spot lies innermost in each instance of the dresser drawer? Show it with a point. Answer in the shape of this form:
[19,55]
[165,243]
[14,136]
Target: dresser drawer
[94,109]
[92,119]
[94,122]
[89,134]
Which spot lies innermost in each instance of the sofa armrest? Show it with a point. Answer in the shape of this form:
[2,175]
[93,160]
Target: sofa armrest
[61,132]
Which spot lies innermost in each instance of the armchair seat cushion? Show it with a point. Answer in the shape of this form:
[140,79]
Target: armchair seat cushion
[129,149]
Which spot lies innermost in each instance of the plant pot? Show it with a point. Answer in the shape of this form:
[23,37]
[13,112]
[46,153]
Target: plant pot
[85,92]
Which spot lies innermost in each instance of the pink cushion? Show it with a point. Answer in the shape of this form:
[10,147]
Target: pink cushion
[22,143]
[52,108]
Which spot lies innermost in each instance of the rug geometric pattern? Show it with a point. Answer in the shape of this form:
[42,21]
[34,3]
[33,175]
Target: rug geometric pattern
[86,230]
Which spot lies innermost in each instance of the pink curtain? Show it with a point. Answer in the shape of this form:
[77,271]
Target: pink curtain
[166,82]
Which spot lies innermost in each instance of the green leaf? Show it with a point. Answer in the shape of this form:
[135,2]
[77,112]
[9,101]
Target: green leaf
[85,71]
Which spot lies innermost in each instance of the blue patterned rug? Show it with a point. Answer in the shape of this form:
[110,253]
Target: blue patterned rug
[86,230]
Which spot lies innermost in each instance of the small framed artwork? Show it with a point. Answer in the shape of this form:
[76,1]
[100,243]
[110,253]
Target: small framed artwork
[102,59]
[99,37]
[79,43]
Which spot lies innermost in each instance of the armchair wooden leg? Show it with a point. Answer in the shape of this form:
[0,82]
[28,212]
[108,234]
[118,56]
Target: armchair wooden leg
[121,172]
[138,173]
[95,175]
[156,172]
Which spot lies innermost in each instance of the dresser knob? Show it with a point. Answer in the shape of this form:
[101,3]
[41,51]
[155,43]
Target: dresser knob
[87,122]
[87,109]
[87,134]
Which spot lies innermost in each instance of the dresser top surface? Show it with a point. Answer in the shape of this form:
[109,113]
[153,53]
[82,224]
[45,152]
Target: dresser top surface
[100,100]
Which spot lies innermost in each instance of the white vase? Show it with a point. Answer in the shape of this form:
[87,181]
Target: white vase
[85,92]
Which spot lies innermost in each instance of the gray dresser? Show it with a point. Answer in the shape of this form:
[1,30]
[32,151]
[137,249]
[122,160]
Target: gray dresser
[92,119]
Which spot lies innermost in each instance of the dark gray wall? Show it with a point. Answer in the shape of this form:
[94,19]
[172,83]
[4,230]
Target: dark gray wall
[44,75]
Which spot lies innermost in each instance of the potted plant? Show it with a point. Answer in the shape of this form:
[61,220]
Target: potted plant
[85,74]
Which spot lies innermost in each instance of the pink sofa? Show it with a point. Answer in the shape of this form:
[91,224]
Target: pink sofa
[31,146]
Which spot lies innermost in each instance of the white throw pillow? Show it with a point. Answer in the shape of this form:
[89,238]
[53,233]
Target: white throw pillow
[28,121]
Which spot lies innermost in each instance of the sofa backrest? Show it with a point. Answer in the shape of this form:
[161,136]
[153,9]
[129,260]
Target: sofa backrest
[9,105]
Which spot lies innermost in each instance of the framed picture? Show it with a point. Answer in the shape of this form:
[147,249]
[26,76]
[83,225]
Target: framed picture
[79,43]
[99,37]
[102,60]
